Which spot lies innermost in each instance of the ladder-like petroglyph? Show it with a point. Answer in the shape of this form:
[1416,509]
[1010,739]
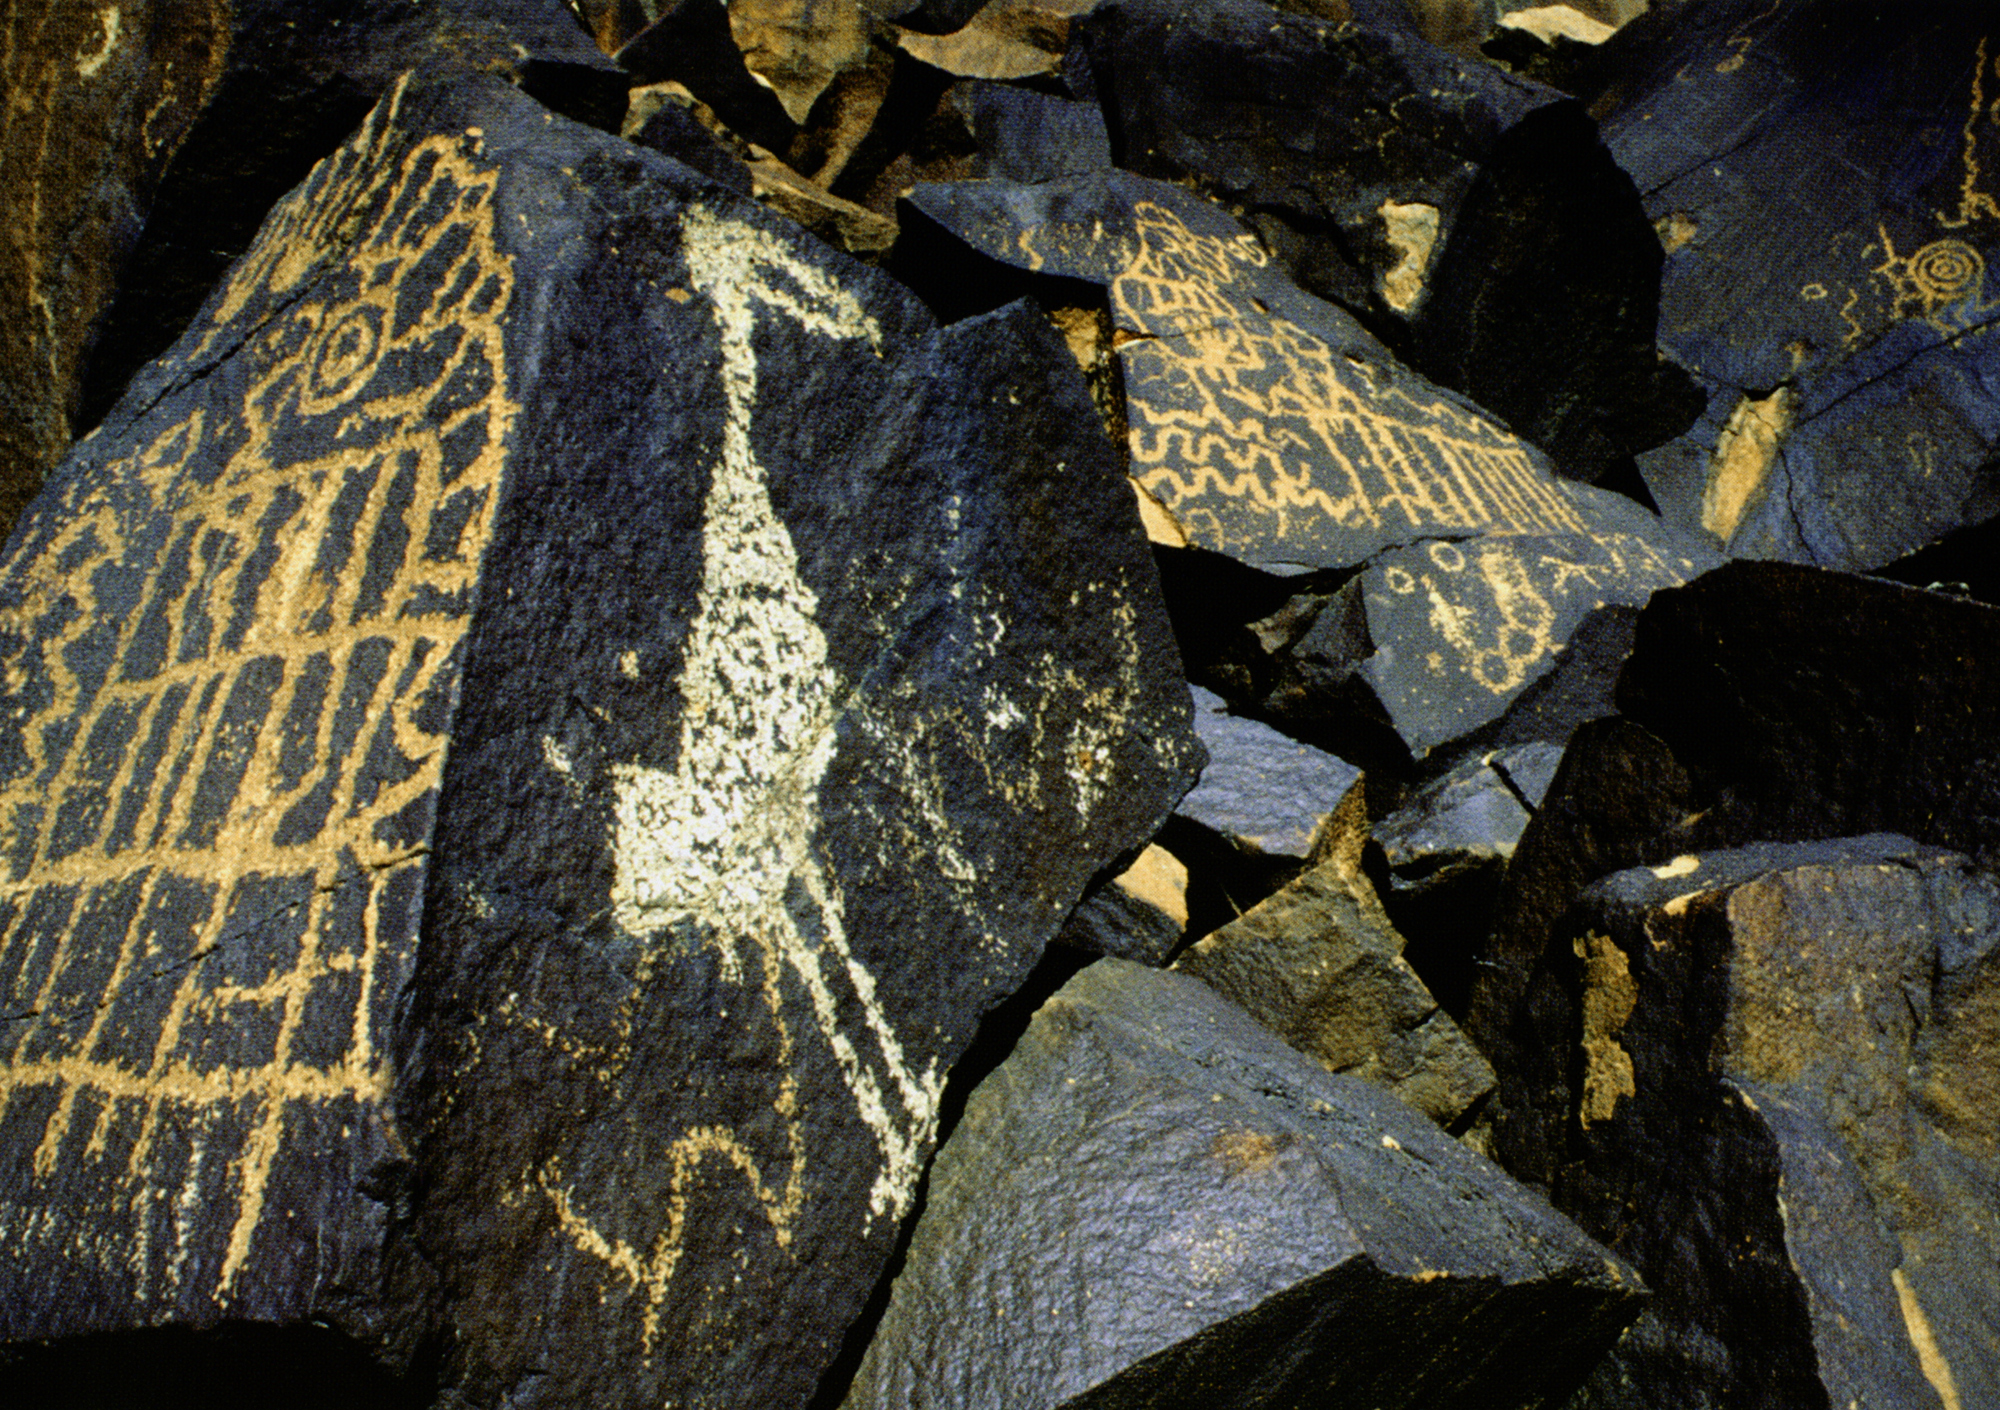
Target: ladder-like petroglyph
[230,659]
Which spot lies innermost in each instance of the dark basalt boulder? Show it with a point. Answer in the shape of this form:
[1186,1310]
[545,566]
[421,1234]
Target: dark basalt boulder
[154,138]
[1319,965]
[1826,180]
[533,736]
[1619,798]
[1259,786]
[1268,423]
[1762,702]
[1438,860]
[1780,1106]
[1806,703]
[1472,217]
[1154,1202]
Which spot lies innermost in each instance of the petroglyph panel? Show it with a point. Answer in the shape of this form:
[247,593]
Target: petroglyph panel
[1463,627]
[1270,424]
[1259,435]
[232,637]
[99,96]
[1830,255]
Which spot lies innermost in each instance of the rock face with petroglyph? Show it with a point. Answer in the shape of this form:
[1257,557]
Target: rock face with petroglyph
[1440,639]
[144,141]
[1270,424]
[1781,1107]
[537,547]
[1470,216]
[1153,1201]
[1827,186]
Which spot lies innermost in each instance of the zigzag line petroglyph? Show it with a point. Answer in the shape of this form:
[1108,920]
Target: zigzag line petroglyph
[1231,406]
[256,747]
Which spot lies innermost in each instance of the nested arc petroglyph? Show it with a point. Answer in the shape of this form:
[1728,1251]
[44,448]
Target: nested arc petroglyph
[1249,427]
[231,657]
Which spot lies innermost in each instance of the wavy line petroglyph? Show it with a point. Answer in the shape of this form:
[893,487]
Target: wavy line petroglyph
[251,751]
[1248,426]
[723,842]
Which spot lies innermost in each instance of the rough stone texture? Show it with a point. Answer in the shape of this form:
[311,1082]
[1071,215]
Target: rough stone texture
[662,117]
[1458,645]
[1763,701]
[101,98]
[1270,424]
[1619,798]
[1443,854]
[1806,703]
[1020,135]
[1260,786]
[1460,630]
[1154,1202]
[1140,914]
[690,43]
[473,563]
[1826,180]
[1781,1107]
[1325,973]
[1472,216]
[153,137]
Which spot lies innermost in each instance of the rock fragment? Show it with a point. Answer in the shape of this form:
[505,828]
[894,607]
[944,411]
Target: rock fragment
[1153,1201]
[1443,854]
[538,549]
[1781,1108]
[1259,786]
[1140,914]
[1321,968]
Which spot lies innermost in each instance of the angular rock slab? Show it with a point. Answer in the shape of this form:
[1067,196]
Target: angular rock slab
[1259,785]
[1153,1201]
[1461,629]
[1270,424]
[1319,966]
[538,548]
[1782,1108]
[1443,856]
[1807,703]
[1456,644]
[1827,184]
[1140,914]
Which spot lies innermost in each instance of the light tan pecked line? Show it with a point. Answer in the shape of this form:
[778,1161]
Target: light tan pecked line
[344,250]
[1227,403]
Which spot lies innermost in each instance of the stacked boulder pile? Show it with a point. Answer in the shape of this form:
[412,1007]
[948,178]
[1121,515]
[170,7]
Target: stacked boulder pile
[1000,703]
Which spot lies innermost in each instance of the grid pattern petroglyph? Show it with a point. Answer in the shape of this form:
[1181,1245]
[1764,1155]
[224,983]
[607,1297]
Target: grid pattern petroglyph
[229,657]
[1244,424]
